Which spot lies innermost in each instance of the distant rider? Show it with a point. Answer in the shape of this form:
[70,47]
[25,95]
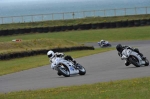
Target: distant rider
[120,48]
[52,56]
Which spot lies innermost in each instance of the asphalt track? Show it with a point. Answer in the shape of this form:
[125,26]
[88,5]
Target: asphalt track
[100,67]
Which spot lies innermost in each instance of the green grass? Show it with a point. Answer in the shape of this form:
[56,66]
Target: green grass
[123,89]
[35,44]
[73,21]
[15,65]
[117,34]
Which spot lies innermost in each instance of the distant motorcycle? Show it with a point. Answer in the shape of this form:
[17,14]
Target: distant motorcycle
[104,44]
[134,58]
[67,68]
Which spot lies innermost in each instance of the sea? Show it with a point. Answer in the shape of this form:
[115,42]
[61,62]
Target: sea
[39,10]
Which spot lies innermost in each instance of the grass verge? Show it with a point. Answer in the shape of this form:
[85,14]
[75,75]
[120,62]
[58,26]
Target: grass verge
[35,44]
[117,34]
[122,89]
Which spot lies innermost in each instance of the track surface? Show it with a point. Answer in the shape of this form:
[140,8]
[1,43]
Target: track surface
[100,68]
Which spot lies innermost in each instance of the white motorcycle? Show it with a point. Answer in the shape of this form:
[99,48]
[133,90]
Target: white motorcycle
[133,58]
[67,68]
[106,44]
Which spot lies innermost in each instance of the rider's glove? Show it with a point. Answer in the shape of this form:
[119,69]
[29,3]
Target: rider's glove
[123,57]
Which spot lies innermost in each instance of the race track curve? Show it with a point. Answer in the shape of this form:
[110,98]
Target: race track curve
[100,67]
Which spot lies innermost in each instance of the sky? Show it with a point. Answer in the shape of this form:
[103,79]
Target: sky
[26,3]
[56,1]
[60,1]
[18,1]
[22,2]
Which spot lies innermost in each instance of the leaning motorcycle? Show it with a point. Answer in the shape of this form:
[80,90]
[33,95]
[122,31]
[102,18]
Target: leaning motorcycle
[67,68]
[134,58]
[107,44]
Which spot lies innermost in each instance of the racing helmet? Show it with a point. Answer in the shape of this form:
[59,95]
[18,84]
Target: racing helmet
[119,48]
[102,40]
[50,54]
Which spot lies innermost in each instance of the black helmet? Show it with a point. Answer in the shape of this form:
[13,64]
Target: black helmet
[119,48]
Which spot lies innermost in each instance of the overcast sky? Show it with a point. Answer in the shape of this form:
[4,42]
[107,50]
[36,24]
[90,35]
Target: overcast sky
[16,1]
[6,1]
[34,2]
[59,1]
[26,3]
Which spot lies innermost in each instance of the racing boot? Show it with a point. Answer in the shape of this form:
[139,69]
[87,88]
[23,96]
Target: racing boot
[143,58]
[127,63]
[75,64]
[59,74]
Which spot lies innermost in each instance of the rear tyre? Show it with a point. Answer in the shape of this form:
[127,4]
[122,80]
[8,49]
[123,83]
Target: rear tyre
[64,71]
[134,61]
[81,69]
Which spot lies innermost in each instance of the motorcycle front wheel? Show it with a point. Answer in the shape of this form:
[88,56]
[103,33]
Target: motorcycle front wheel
[81,69]
[146,62]
[64,71]
[109,45]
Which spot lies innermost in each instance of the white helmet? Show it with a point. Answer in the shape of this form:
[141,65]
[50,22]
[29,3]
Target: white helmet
[102,40]
[50,54]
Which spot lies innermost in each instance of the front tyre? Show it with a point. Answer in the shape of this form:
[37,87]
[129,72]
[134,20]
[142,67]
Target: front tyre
[64,71]
[109,45]
[81,69]
[146,62]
